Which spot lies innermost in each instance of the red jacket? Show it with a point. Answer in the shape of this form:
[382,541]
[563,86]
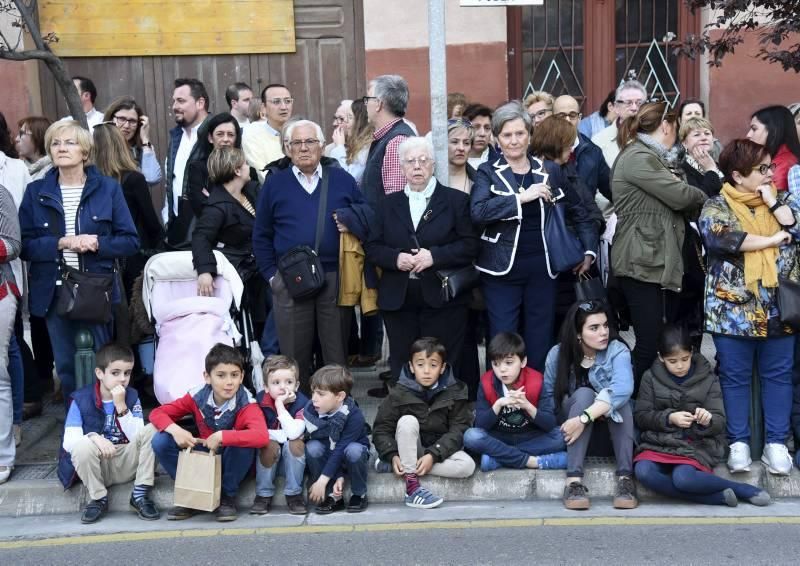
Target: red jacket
[783,160]
[249,428]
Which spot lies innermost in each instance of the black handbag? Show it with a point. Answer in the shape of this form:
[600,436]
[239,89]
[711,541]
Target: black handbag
[589,289]
[84,296]
[456,282]
[563,248]
[300,267]
[789,302]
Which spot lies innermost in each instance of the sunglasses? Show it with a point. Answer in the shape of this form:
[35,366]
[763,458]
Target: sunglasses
[590,306]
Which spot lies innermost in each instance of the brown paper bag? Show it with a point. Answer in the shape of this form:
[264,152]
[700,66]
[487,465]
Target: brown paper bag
[198,481]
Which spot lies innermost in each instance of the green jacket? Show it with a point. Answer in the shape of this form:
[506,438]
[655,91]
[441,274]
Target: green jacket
[442,420]
[660,395]
[651,202]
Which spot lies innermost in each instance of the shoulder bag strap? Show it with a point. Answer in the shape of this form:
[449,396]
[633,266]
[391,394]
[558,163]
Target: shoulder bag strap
[323,207]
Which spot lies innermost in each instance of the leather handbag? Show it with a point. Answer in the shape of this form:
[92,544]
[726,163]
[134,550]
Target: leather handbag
[563,247]
[84,296]
[456,282]
[300,267]
[789,302]
[589,289]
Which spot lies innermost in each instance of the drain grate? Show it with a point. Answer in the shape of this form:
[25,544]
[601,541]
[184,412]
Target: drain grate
[34,471]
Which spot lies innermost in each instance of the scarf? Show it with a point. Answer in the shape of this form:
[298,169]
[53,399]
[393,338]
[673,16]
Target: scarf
[328,426]
[224,418]
[418,200]
[671,156]
[759,266]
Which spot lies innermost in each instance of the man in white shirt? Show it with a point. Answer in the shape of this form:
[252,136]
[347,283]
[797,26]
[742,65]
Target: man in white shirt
[261,140]
[88,94]
[238,97]
[190,108]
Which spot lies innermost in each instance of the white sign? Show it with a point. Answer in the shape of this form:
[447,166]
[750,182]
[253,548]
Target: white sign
[469,3]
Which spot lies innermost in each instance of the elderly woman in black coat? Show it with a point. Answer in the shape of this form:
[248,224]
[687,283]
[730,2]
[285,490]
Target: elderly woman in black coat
[420,231]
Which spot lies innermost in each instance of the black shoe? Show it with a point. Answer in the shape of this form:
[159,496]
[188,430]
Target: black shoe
[181,513]
[385,375]
[227,509]
[145,508]
[94,510]
[378,392]
[296,505]
[330,505]
[261,505]
[357,503]
[625,498]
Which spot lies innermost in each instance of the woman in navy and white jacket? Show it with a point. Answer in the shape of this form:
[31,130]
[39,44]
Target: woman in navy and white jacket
[508,203]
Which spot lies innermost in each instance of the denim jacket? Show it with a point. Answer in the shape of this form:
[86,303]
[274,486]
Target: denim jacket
[102,211]
[611,376]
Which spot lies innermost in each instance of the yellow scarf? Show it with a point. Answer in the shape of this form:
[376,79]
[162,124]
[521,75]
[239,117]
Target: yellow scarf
[762,265]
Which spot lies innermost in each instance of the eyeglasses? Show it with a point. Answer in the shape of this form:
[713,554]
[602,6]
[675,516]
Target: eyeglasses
[764,168]
[541,113]
[121,121]
[569,115]
[590,306]
[278,101]
[340,119]
[65,143]
[366,99]
[629,103]
[421,161]
[23,133]
[295,144]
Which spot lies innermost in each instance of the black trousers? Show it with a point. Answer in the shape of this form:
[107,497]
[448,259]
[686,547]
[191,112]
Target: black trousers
[415,320]
[651,307]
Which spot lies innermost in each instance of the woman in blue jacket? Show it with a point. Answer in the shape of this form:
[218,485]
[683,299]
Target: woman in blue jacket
[78,216]
[508,202]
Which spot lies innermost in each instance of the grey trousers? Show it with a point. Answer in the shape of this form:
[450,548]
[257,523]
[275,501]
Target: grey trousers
[621,434]
[298,321]
[8,450]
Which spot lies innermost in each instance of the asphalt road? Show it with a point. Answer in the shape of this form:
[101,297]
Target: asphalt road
[775,541]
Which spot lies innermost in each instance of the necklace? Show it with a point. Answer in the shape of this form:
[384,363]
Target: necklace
[588,361]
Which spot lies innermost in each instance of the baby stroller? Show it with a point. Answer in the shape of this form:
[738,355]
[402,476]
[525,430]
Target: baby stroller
[188,325]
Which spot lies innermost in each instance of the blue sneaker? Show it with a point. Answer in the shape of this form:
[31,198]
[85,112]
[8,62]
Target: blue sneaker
[423,499]
[382,467]
[488,463]
[555,461]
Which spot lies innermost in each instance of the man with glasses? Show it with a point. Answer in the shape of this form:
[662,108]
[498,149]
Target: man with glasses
[482,149]
[261,141]
[386,102]
[286,216]
[630,96]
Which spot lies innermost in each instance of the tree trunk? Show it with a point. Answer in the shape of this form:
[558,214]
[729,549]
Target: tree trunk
[67,87]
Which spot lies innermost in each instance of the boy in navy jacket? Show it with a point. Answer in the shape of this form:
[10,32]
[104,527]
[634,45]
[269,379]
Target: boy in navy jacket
[336,442]
[515,422]
[105,440]
[282,404]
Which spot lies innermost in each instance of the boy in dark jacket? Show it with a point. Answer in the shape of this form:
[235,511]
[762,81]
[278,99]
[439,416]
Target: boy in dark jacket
[515,422]
[228,421]
[282,404]
[336,442]
[420,426]
[105,439]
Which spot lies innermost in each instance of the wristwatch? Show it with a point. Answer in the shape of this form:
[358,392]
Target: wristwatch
[585,418]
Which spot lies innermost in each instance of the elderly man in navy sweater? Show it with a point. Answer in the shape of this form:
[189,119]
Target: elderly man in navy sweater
[286,216]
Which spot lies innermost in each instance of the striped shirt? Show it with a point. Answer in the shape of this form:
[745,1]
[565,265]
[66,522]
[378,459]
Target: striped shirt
[71,199]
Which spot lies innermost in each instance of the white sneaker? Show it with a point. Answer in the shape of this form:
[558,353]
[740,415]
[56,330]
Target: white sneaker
[5,472]
[739,459]
[777,460]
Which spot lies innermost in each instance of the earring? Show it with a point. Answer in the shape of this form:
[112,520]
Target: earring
[579,339]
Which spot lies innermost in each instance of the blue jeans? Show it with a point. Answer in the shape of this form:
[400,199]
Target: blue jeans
[356,460]
[513,450]
[687,482]
[289,466]
[17,371]
[236,461]
[774,358]
[62,338]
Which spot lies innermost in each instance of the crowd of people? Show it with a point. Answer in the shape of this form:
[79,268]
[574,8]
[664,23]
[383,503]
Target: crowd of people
[551,233]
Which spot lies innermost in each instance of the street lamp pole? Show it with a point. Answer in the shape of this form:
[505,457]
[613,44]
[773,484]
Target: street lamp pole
[437,56]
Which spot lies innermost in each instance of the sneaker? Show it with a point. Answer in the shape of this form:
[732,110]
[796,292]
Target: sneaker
[181,513]
[575,496]
[296,505]
[625,497]
[227,509]
[739,459]
[382,467]
[423,499]
[730,497]
[261,505]
[94,510]
[145,508]
[357,503]
[554,461]
[776,458]
[760,499]
[330,505]
[488,463]
[5,473]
